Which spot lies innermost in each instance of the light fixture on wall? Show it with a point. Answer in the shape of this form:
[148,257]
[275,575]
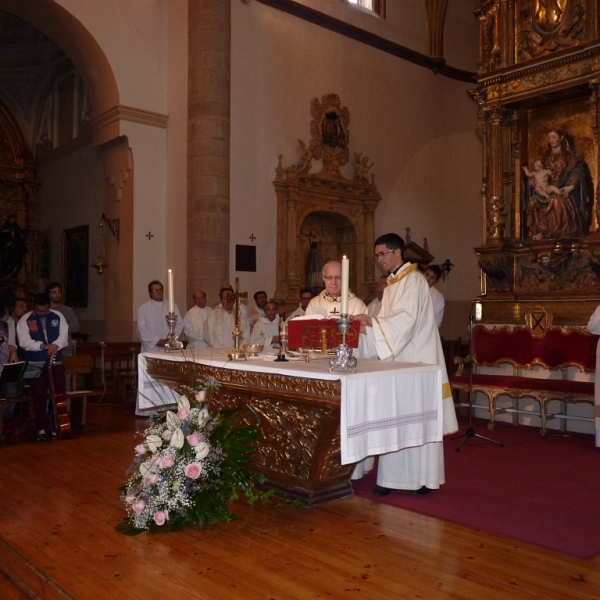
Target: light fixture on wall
[446,267]
[114,227]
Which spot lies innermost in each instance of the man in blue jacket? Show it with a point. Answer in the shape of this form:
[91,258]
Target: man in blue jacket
[43,334]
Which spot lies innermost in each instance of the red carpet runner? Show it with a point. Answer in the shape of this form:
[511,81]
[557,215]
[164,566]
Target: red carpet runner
[541,491]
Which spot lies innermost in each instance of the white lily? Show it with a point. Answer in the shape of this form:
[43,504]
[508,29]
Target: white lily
[173,421]
[178,438]
[203,417]
[153,442]
[144,468]
[184,403]
[202,449]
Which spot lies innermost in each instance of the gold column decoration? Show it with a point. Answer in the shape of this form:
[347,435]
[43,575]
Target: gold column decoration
[495,206]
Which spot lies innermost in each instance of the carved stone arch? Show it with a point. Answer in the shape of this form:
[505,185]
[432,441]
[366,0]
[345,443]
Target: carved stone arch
[325,207]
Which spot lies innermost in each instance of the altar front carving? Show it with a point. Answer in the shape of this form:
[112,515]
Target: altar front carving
[325,212]
[537,96]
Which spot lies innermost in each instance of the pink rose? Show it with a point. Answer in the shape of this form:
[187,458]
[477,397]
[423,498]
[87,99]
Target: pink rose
[160,516]
[166,462]
[193,470]
[152,477]
[201,396]
[155,459]
[140,449]
[183,413]
[194,439]
[138,507]
[167,434]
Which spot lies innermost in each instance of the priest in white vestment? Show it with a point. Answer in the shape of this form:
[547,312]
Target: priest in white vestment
[266,329]
[594,327]
[306,296]
[433,274]
[258,310]
[193,322]
[219,325]
[152,328]
[328,302]
[375,305]
[405,331]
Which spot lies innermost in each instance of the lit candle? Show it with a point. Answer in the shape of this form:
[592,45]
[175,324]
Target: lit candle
[345,284]
[170,291]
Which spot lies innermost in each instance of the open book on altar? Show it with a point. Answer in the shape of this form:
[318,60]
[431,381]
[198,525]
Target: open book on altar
[312,332]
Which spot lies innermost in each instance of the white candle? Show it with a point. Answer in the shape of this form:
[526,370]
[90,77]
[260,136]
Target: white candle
[345,284]
[170,291]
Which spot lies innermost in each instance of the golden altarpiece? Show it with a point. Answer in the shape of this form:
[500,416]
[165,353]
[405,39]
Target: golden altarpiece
[325,215]
[18,209]
[538,93]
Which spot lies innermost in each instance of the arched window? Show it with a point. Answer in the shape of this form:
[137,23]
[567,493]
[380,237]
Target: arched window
[375,6]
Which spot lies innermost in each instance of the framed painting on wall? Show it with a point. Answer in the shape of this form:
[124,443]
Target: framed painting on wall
[75,266]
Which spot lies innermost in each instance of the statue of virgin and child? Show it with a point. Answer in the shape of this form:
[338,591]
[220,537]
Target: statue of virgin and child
[560,192]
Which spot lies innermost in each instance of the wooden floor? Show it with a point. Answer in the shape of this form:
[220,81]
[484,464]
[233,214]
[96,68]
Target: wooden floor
[59,505]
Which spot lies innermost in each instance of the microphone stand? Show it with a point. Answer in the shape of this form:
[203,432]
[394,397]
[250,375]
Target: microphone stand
[470,432]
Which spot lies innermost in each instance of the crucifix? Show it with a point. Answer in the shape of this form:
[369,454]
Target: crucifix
[236,353]
[310,235]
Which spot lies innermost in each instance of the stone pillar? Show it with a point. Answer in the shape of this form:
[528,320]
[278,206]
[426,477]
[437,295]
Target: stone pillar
[209,73]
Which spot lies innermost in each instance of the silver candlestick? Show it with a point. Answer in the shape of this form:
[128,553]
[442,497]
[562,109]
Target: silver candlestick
[343,353]
[172,344]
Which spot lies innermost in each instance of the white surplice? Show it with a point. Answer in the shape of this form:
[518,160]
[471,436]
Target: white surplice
[594,327]
[405,331]
[373,308]
[438,304]
[264,331]
[193,326]
[218,329]
[329,307]
[152,325]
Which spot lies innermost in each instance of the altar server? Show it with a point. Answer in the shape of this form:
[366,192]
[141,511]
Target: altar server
[152,327]
[266,329]
[405,331]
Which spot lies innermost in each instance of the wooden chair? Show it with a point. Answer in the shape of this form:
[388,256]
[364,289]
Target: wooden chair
[79,365]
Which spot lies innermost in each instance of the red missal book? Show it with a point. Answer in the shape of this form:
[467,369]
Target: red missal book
[307,334]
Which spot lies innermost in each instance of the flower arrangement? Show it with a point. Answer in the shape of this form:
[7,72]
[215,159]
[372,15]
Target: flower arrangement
[188,468]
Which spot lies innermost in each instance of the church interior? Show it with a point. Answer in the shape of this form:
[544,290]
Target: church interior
[191,135]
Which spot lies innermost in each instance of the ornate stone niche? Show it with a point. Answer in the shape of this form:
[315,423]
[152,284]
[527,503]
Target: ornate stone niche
[18,197]
[538,91]
[325,207]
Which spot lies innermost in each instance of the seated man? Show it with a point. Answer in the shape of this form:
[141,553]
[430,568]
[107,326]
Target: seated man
[260,301]
[266,330]
[328,302]
[305,298]
[219,325]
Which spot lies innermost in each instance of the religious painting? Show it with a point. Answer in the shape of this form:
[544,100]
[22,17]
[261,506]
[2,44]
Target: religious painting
[558,187]
[547,26]
[75,266]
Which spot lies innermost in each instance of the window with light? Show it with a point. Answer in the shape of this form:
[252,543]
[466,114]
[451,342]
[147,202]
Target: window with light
[377,7]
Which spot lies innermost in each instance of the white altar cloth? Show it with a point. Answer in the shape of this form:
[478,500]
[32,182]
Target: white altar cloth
[385,406]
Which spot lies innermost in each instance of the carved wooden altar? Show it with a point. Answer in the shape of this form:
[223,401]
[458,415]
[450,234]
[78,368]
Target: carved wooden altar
[18,197]
[538,92]
[325,207]
[299,420]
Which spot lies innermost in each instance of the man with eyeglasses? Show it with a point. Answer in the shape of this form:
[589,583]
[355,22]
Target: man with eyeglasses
[219,325]
[328,302]
[152,328]
[405,330]
[43,334]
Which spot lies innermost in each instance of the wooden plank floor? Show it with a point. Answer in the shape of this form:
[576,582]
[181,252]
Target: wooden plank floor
[59,505]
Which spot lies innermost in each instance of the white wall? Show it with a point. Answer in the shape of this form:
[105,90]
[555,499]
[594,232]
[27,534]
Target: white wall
[417,127]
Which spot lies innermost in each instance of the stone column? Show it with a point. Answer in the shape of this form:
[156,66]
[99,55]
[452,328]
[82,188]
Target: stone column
[209,73]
